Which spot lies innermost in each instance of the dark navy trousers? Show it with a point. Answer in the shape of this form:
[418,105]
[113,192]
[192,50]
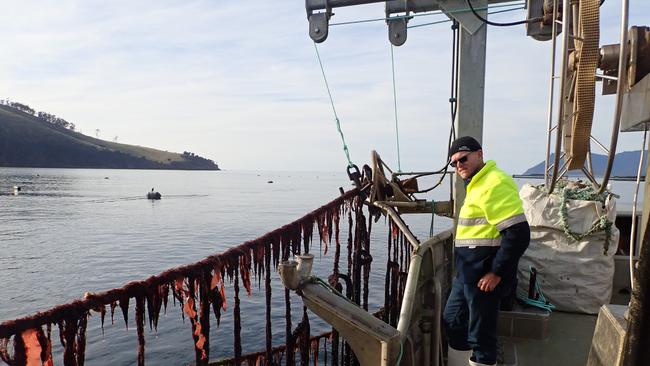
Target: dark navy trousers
[470,319]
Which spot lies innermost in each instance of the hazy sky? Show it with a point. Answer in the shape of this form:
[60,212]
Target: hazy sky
[239,82]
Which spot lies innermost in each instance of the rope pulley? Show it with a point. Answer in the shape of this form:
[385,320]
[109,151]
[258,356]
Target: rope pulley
[318,21]
[397,24]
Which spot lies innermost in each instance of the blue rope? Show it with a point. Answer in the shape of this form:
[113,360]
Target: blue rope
[392,64]
[542,302]
[336,117]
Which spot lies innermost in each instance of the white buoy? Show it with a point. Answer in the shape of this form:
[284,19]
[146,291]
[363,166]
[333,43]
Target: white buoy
[16,190]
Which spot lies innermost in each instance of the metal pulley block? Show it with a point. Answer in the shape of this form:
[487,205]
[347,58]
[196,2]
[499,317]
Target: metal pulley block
[397,31]
[318,21]
[397,24]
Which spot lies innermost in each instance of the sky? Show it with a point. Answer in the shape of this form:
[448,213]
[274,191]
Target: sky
[239,82]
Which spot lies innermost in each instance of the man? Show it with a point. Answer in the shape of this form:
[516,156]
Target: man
[491,236]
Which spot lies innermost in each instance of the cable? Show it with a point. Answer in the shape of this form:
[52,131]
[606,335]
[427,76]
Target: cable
[436,12]
[453,101]
[449,20]
[392,64]
[336,117]
[532,20]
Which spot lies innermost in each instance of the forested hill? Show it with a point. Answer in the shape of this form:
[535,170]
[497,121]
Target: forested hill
[30,139]
[626,164]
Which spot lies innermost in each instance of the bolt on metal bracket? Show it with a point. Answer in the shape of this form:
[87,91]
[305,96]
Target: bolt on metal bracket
[397,24]
[319,22]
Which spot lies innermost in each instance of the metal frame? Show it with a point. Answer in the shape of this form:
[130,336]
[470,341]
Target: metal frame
[551,180]
[622,71]
[319,13]
[567,88]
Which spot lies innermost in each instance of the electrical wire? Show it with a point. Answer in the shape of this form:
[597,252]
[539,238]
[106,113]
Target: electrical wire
[532,20]
[453,102]
[449,20]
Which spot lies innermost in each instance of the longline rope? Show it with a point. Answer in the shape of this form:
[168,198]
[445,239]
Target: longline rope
[336,117]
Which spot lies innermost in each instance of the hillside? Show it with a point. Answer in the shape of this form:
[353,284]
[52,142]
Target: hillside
[626,164]
[29,141]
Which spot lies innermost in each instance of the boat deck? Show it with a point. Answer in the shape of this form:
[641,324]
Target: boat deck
[568,343]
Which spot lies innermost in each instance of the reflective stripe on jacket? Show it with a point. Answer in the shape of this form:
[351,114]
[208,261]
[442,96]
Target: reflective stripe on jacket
[492,204]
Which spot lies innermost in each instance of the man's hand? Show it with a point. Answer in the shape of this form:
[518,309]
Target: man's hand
[488,282]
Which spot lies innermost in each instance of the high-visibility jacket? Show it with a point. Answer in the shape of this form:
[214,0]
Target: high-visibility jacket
[492,205]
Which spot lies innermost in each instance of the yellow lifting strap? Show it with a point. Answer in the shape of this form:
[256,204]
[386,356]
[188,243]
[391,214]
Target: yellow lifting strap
[587,55]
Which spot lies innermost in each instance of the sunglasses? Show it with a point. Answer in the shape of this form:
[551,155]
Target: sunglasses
[460,160]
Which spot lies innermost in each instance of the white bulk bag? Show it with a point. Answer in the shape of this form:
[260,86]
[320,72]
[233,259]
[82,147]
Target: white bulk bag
[575,275]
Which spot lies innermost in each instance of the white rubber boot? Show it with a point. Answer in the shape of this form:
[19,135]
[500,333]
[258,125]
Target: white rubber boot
[458,358]
[474,363]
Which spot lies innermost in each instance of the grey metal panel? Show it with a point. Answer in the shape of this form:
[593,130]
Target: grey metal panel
[636,106]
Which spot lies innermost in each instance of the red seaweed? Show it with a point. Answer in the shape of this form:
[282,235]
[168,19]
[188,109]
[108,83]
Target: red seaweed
[113,305]
[196,285]
[204,319]
[80,349]
[267,288]
[244,271]
[68,335]
[139,321]
[289,337]
[124,305]
[237,319]
[301,333]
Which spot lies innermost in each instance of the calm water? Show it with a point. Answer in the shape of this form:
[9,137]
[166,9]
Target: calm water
[71,230]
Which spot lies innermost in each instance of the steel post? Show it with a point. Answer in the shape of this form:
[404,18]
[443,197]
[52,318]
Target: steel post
[471,91]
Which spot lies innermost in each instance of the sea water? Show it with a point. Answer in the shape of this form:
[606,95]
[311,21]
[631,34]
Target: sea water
[69,231]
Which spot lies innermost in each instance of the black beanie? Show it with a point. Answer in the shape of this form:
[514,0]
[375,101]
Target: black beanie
[465,143]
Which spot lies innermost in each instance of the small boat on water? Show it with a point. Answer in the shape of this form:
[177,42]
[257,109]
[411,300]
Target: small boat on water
[153,195]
